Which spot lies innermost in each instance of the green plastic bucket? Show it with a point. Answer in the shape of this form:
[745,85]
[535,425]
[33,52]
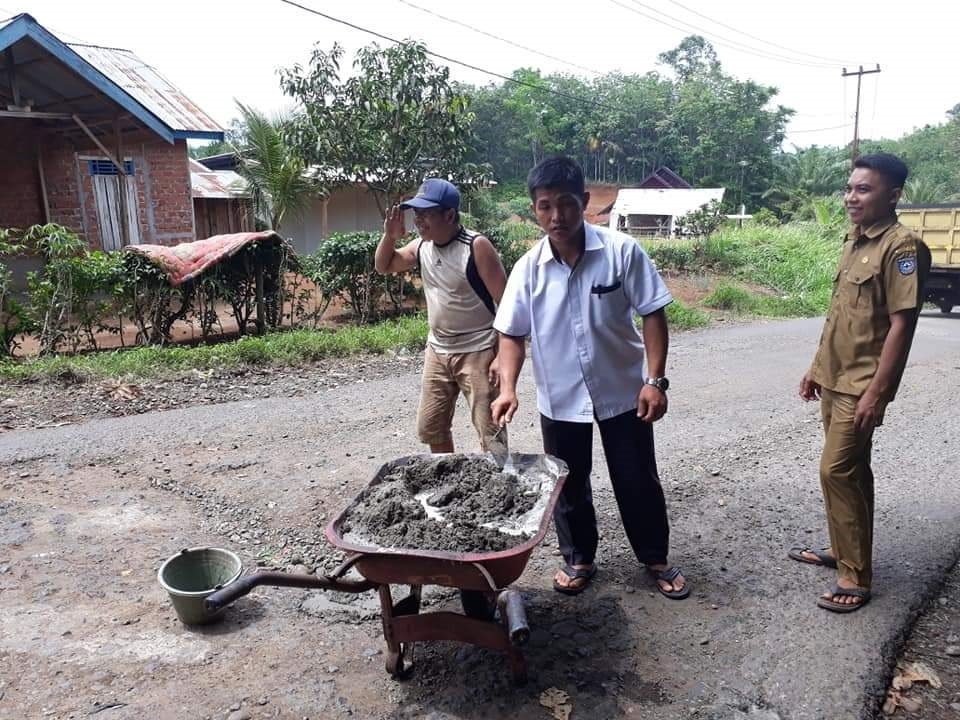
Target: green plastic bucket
[193,574]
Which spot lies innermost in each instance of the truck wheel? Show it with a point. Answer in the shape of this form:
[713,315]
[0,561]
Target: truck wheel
[946,307]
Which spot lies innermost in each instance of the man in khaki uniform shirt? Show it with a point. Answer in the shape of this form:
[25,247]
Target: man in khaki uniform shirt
[877,296]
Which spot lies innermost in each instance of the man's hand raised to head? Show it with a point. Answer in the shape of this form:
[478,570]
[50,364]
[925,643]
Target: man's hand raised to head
[393,226]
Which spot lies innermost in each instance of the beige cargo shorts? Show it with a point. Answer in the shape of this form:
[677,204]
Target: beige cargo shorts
[445,376]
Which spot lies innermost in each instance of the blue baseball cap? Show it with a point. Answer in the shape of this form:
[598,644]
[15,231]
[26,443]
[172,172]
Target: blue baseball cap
[435,193]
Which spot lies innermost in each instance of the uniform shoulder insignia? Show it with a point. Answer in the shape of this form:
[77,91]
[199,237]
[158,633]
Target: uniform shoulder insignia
[907,264]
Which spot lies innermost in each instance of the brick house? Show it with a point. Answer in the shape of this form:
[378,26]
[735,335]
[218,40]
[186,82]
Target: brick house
[94,139]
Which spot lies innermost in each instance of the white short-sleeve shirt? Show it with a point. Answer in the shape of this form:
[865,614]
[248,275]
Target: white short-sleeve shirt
[587,352]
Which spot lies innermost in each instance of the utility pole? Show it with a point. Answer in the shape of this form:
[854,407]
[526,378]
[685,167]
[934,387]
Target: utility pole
[855,153]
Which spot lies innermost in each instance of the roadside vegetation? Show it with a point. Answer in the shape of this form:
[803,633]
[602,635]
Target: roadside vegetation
[398,118]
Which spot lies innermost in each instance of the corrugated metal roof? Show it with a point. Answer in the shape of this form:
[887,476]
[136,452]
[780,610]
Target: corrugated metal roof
[655,201]
[223,184]
[83,79]
[151,89]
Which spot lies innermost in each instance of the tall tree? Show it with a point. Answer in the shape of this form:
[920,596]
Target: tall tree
[396,120]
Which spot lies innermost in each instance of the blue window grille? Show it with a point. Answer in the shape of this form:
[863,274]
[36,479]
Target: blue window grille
[106,167]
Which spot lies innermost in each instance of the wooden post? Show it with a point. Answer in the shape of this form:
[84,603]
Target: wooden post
[43,185]
[261,319]
[122,186]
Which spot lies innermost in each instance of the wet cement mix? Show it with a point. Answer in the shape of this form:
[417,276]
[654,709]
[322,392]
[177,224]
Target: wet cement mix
[453,503]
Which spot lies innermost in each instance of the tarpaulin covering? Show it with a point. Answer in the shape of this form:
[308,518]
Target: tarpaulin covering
[186,261]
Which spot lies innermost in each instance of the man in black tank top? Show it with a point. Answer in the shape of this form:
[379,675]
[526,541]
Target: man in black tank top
[463,280]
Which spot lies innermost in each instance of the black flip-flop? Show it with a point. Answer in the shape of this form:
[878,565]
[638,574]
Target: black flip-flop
[824,559]
[669,575]
[586,574]
[829,604]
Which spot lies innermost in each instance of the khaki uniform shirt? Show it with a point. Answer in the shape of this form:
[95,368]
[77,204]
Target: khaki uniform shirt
[882,271]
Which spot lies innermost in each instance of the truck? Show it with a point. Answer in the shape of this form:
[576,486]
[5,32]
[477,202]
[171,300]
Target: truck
[939,227]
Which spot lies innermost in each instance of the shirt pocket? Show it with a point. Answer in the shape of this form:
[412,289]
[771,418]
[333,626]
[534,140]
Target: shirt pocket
[608,301]
[604,289]
[859,288]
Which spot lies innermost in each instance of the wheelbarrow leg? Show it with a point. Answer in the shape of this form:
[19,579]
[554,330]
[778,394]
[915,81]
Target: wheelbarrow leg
[513,617]
[396,664]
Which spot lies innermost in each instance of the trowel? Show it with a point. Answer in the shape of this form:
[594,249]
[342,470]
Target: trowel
[498,446]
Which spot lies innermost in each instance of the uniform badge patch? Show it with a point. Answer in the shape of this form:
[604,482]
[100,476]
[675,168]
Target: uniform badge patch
[907,265]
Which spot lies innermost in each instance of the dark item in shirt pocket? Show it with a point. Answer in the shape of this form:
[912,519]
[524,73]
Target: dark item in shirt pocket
[604,289]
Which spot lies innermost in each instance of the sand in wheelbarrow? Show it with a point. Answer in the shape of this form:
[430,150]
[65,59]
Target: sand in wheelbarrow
[453,503]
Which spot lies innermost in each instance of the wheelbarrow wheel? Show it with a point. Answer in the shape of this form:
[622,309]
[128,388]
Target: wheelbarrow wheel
[478,604]
[397,666]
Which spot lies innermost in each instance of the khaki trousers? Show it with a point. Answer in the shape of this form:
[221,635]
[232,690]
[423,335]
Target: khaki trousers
[847,482]
[445,376]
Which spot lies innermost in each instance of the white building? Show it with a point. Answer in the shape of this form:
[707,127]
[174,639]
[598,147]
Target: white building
[654,211]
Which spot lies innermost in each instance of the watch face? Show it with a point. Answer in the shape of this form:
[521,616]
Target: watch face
[663,384]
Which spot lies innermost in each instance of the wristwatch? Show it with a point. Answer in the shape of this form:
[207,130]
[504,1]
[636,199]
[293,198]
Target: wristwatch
[660,383]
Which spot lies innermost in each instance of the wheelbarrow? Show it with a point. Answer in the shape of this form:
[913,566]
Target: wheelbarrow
[493,613]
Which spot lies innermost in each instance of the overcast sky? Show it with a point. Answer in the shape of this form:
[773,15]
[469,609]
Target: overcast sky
[216,50]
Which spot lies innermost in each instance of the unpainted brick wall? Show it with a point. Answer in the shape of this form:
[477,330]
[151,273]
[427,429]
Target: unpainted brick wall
[162,172]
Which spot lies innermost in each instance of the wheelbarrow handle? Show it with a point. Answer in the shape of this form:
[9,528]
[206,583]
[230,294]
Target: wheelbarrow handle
[240,587]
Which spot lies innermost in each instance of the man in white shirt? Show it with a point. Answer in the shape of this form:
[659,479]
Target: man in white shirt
[574,294]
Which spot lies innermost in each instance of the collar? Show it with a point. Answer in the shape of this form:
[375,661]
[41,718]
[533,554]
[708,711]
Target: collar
[591,241]
[453,237]
[872,232]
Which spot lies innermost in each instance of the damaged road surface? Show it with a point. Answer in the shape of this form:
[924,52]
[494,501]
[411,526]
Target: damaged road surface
[89,511]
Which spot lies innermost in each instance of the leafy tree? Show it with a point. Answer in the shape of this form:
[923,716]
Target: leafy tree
[389,125]
[275,174]
[693,58]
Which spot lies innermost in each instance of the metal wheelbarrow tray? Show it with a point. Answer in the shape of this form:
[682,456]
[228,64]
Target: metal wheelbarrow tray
[483,579]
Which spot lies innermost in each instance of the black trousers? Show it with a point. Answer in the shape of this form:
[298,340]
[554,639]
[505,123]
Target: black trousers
[628,447]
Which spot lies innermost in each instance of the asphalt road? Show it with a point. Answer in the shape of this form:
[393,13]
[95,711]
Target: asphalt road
[738,456]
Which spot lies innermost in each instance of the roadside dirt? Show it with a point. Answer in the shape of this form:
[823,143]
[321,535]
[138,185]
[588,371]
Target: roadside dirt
[89,510]
[71,399]
[931,657]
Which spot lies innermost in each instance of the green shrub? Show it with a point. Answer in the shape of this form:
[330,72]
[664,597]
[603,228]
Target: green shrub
[765,217]
[731,297]
[512,240]
[702,222]
[678,255]
[14,315]
[343,267]
[684,317]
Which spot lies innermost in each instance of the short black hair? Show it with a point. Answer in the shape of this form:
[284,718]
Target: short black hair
[893,169]
[559,173]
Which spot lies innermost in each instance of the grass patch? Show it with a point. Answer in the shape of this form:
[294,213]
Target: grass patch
[684,317]
[797,260]
[281,349]
[726,296]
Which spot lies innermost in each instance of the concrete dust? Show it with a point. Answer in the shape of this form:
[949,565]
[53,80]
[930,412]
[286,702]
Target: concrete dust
[454,503]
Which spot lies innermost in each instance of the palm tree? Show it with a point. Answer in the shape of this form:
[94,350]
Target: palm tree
[923,191]
[275,174]
[805,174]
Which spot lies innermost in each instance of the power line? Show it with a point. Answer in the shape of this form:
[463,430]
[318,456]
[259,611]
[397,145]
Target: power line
[755,37]
[479,31]
[812,130]
[534,86]
[723,41]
